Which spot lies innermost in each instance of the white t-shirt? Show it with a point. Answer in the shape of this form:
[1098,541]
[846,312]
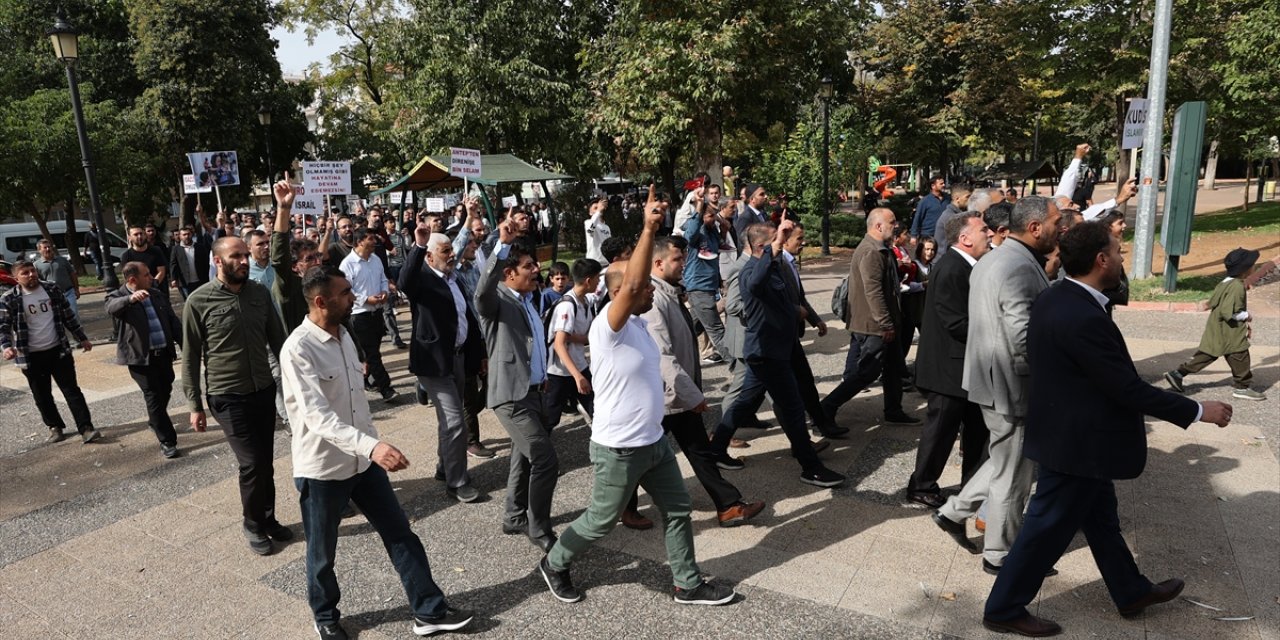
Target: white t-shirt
[627,381]
[597,233]
[42,328]
[570,315]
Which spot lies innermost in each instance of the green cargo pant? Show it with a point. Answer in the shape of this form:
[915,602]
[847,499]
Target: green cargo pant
[618,471]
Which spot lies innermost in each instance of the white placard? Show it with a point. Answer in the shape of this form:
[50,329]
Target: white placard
[509,201]
[327,178]
[1135,124]
[464,162]
[307,202]
[395,197]
[435,205]
[189,185]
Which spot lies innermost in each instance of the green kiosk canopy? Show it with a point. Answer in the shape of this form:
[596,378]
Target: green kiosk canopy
[432,173]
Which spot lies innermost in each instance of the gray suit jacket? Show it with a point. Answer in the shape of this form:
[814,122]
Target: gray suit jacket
[507,335]
[1002,287]
[672,329]
[735,333]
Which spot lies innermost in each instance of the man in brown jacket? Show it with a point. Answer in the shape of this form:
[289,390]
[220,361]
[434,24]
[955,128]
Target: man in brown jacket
[874,320]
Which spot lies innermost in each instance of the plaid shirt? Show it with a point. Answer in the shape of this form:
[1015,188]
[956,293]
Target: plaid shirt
[13,323]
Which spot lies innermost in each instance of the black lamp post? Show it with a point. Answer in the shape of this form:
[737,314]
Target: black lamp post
[66,48]
[264,118]
[827,91]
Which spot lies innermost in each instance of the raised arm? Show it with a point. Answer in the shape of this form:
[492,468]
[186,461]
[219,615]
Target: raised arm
[1071,175]
[636,280]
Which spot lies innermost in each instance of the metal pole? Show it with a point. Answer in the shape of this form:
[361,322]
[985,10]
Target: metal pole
[109,279]
[826,176]
[1035,153]
[267,136]
[1149,186]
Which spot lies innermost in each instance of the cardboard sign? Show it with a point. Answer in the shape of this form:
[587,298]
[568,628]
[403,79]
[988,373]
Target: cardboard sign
[1135,124]
[435,205]
[215,168]
[395,197]
[307,202]
[327,178]
[509,201]
[189,185]
[464,163]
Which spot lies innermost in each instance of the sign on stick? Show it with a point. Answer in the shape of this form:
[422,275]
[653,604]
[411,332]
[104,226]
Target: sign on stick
[215,168]
[327,178]
[464,163]
[1135,124]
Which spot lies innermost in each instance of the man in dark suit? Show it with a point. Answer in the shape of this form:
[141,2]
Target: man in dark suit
[444,347]
[940,362]
[148,331]
[189,256]
[1085,428]
[769,347]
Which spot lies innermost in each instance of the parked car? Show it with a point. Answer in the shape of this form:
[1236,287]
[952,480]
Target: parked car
[18,240]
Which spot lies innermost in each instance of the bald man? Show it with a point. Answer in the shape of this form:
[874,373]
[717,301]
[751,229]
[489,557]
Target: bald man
[228,324]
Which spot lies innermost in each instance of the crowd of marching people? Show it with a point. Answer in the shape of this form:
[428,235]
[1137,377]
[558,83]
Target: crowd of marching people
[285,320]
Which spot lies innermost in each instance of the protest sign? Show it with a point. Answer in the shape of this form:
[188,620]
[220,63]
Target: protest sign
[464,163]
[509,201]
[435,204]
[307,202]
[189,185]
[1135,124]
[327,178]
[215,168]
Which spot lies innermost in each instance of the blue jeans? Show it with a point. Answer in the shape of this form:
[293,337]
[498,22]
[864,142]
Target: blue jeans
[322,504]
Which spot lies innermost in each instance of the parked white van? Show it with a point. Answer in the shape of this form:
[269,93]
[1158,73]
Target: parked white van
[18,240]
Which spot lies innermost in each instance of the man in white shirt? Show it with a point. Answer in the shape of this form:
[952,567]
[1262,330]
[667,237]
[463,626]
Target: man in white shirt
[597,231]
[337,457]
[369,281]
[627,443]
[1066,190]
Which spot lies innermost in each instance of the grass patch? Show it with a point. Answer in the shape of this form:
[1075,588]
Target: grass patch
[1263,217]
[1190,289]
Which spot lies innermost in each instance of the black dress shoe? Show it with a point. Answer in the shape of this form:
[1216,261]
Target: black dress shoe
[544,542]
[832,430]
[421,394]
[957,532]
[1163,592]
[931,500]
[995,571]
[514,529]
[1028,625]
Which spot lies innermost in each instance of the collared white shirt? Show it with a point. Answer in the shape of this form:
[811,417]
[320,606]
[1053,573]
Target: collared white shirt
[323,384]
[459,305]
[367,279]
[538,348]
[967,258]
[1097,295]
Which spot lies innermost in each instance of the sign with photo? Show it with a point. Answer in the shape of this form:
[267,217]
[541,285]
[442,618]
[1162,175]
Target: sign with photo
[215,168]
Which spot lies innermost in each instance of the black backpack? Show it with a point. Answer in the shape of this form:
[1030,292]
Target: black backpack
[840,300]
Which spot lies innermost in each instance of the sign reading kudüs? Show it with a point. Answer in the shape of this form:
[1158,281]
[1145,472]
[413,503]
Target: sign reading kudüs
[1135,124]
[327,178]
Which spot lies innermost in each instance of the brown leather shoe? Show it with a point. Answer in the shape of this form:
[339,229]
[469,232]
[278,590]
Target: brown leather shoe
[738,443]
[1163,592]
[633,520]
[739,513]
[1027,625]
[980,524]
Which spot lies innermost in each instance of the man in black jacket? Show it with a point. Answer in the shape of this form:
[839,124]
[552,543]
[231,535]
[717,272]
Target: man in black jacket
[1085,428]
[445,345]
[770,343]
[940,362]
[148,330]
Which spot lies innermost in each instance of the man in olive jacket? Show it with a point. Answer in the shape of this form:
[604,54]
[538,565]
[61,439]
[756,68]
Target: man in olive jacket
[148,331]
[874,319]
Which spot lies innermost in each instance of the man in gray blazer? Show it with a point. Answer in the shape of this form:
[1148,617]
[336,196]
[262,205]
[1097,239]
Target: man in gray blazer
[1002,288]
[517,347]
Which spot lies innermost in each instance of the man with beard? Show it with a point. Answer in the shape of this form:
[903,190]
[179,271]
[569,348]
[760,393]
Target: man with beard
[227,326]
[189,258]
[473,229]
[148,330]
[338,457]
[140,250]
[336,251]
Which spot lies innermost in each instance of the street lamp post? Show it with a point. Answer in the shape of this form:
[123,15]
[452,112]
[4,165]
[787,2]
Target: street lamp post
[66,48]
[827,91]
[264,118]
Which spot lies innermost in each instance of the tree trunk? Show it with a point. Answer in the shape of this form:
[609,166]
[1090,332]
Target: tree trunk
[1122,155]
[72,237]
[42,222]
[1248,173]
[1211,166]
[706,145]
[667,168]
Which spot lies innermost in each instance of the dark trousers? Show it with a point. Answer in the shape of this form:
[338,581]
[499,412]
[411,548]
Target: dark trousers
[779,380]
[1062,505]
[369,329]
[47,367]
[809,389]
[1241,372]
[948,416]
[156,381]
[868,357]
[689,433]
[249,421]
[389,309]
[322,504]
[535,469]
[473,392]
[561,389]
